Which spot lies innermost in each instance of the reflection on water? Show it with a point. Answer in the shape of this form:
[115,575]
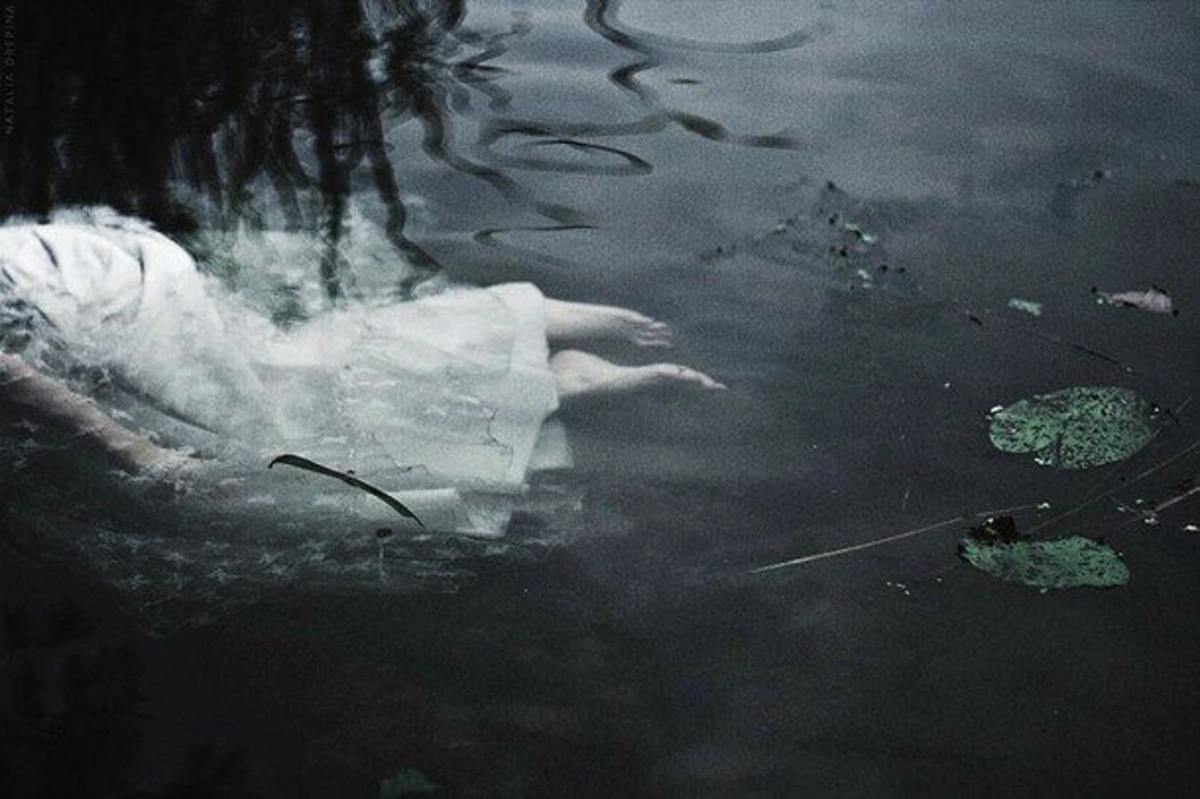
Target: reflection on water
[276,113]
[650,51]
[834,204]
[218,112]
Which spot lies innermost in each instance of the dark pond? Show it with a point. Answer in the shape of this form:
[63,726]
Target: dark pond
[833,204]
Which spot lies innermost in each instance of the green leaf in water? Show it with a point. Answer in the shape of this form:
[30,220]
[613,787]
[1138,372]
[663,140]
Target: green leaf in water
[1065,563]
[1075,428]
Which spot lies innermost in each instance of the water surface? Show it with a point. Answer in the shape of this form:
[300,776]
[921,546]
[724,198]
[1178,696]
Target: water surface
[700,162]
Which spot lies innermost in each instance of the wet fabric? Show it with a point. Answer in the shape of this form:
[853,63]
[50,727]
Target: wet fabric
[451,389]
[113,307]
[442,401]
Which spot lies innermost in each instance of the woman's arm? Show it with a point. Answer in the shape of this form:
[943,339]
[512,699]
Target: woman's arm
[50,402]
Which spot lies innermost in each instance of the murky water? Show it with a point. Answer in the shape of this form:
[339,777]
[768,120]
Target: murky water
[833,204]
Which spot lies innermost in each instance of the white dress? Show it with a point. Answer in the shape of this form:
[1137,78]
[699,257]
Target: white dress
[441,401]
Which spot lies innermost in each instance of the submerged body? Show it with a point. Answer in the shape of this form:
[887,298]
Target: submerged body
[446,392]
[448,395]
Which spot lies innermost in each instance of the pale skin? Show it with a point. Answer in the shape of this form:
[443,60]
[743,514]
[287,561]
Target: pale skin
[45,401]
[578,374]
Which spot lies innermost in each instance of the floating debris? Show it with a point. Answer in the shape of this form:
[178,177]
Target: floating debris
[859,233]
[1075,428]
[1153,299]
[1025,306]
[997,530]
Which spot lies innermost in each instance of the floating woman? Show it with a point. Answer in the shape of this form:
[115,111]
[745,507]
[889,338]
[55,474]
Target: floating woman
[111,337]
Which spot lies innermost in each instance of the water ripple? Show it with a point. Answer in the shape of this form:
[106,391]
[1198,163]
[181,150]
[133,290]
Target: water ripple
[597,159]
[601,17]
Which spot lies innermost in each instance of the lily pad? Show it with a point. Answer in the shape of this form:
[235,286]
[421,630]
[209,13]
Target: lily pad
[1075,428]
[1065,563]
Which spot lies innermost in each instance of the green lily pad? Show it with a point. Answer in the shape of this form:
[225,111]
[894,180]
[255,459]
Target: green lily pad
[1065,563]
[1075,428]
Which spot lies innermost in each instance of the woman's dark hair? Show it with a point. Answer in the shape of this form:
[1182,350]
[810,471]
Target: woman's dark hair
[180,111]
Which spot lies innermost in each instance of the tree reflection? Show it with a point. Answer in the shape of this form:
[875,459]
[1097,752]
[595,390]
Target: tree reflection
[217,112]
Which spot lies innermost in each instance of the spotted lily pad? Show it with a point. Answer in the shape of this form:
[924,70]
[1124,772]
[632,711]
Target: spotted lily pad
[1075,428]
[1066,563]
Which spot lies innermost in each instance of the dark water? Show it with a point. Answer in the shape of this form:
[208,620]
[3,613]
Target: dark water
[685,159]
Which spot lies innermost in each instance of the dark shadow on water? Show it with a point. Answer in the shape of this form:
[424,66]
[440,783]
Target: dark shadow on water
[213,112]
[73,713]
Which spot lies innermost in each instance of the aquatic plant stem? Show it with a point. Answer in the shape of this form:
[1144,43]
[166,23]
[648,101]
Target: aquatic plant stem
[1176,499]
[963,517]
[349,479]
[1117,473]
[1107,494]
[888,539]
